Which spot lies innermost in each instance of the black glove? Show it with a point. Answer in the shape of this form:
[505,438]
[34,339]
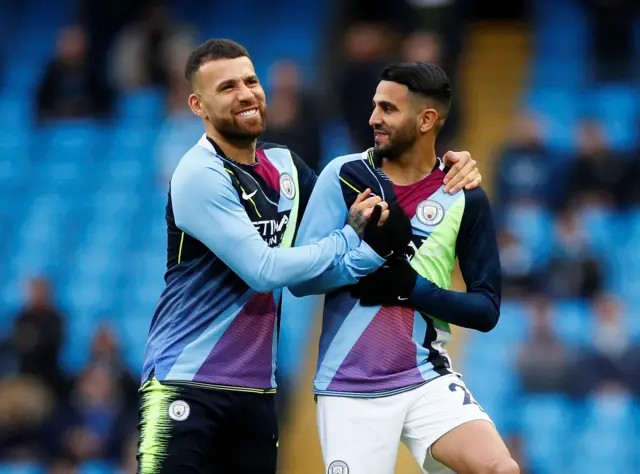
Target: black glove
[390,285]
[393,236]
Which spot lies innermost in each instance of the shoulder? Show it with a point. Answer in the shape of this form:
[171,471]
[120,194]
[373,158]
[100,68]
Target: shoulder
[275,151]
[197,165]
[476,198]
[344,163]
[477,208]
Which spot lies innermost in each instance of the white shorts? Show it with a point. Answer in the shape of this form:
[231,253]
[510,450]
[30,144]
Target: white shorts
[362,435]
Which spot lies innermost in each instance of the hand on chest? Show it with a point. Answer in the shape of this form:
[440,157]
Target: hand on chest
[425,203]
[267,196]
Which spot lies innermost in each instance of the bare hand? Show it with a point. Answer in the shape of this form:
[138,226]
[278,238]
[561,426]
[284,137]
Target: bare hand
[361,209]
[463,173]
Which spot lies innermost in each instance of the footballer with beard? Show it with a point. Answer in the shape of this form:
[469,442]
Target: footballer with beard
[208,382]
[384,375]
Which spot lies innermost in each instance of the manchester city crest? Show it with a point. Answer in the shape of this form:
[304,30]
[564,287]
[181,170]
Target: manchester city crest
[287,187]
[179,410]
[430,212]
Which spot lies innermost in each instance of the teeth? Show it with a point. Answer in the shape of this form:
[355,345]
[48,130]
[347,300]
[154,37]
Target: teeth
[248,113]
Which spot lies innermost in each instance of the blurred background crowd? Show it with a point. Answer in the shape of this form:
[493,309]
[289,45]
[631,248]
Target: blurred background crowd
[93,119]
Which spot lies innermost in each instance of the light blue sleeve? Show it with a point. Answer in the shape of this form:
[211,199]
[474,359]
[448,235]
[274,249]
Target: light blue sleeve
[207,207]
[325,212]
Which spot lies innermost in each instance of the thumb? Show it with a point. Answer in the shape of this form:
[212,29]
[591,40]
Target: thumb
[362,196]
[376,212]
[450,158]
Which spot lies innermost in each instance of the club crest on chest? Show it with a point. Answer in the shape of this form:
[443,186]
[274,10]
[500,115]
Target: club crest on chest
[430,212]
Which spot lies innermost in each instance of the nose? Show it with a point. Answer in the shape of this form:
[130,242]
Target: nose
[375,118]
[245,94]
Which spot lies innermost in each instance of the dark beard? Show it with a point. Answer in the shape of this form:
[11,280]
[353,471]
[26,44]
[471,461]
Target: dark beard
[236,134]
[399,143]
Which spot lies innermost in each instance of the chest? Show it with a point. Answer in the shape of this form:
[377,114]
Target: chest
[435,217]
[268,194]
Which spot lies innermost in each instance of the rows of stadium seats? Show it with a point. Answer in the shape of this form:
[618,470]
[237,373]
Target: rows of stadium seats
[80,201]
[560,88]
[611,235]
[598,434]
[84,201]
[601,433]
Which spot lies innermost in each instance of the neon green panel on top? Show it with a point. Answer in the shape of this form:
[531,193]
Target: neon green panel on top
[439,218]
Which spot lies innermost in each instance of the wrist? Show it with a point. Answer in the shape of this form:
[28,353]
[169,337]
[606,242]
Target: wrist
[422,290]
[351,236]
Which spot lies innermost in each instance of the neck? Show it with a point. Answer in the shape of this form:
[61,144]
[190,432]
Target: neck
[242,151]
[412,166]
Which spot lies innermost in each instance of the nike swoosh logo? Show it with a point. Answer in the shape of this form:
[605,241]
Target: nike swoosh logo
[400,298]
[246,196]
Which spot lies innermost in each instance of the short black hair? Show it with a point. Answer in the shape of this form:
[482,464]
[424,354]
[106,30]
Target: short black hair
[210,51]
[426,79]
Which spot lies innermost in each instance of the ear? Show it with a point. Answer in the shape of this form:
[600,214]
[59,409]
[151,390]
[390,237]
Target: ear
[428,119]
[196,106]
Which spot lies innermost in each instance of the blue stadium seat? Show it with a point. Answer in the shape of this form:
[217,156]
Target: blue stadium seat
[97,467]
[335,141]
[14,159]
[607,437]
[487,365]
[546,422]
[532,225]
[618,109]
[600,227]
[561,73]
[21,468]
[572,321]
[142,106]
[80,328]
[22,75]
[132,330]
[560,113]
[514,323]
[16,110]
[72,140]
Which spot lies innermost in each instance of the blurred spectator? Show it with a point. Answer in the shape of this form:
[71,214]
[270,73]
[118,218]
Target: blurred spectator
[394,17]
[130,449]
[612,23]
[293,117]
[105,353]
[102,21]
[367,47]
[573,270]
[38,337]
[69,88]
[446,18]
[611,363]
[423,46]
[629,184]
[95,421]
[517,265]
[543,361]
[27,405]
[63,465]
[145,51]
[525,167]
[595,179]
